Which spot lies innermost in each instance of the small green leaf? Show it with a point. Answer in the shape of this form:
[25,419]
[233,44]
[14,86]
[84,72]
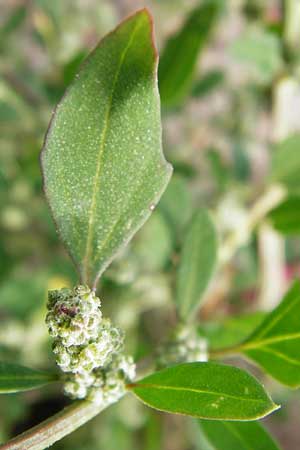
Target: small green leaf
[275,344]
[14,378]
[198,260]
[104,170]
[219,170]
[260,50]
[179,57]
[237,435]
[153,244]
[231,331]
[208,83]
[205,390]
[241,162]
[285,218]
[285,164]
[176,204]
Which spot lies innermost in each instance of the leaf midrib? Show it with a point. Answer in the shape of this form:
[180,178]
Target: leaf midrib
[272,340]
[96,183]
[198,391]
[113,228]
[280,355]
[265,328]
[26,378]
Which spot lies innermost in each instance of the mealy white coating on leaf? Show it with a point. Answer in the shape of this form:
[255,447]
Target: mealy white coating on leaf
[104,170]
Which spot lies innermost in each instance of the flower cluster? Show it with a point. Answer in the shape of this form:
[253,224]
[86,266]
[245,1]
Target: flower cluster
[87,346]
[103,385]
[186,347]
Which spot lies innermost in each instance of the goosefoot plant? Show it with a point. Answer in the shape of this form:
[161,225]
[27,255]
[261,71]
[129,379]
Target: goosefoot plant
[104,172]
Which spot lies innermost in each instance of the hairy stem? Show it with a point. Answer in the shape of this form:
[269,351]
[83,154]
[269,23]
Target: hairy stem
[55,428]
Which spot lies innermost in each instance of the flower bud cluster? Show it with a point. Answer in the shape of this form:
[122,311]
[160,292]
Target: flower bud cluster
[87,347]
[104,385]
[186,347]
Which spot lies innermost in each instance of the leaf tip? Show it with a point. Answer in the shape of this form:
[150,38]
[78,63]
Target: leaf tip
[149,17]
[274,408]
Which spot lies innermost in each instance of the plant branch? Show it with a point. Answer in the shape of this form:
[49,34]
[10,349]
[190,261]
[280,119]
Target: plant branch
[269,200]
[224,352]
[55,428]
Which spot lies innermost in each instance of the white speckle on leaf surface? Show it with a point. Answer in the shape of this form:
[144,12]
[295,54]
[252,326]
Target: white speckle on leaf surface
[103,150]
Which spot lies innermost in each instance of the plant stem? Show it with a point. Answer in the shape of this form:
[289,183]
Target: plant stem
[269,200]
[224,352]
[271,247]
[55,428]
[292,26]
[238,348]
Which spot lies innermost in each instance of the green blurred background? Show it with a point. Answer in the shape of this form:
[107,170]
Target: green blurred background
[241,95]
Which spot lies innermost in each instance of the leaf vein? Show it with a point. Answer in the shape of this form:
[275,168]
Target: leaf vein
[281,355]
[96,183]
[198,391]
[272,340]
[276,319]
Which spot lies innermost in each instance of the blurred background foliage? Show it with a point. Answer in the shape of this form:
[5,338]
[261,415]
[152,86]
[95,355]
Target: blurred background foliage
[230,88]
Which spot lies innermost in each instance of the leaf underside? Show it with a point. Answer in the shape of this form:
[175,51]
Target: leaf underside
[103,166]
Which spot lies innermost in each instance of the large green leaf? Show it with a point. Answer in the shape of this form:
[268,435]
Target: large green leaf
[205,390]
[15,378]
[237,435]
[104,170]
[275,344]
[198,259]
[285,164]
[179,57]
[285,218]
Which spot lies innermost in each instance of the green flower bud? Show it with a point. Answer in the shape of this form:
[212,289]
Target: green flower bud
[188,347]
